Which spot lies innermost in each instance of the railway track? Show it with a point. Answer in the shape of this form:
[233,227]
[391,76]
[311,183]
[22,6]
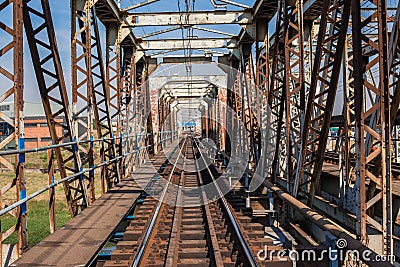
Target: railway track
[177,228]
[186,237]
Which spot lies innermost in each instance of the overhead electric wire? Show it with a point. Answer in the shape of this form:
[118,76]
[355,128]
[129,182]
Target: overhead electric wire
[187,46]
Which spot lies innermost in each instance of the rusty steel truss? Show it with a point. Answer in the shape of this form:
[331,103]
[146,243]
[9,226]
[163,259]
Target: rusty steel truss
[322,56]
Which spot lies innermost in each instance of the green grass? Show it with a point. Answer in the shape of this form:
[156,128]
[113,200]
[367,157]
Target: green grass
[38,208]
[38,221]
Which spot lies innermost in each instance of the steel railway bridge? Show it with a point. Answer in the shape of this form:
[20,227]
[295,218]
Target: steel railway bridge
[215,137]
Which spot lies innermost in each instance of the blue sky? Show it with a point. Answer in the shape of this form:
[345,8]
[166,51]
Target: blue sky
[61,18]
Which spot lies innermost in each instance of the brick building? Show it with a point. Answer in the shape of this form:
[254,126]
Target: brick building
[37,132]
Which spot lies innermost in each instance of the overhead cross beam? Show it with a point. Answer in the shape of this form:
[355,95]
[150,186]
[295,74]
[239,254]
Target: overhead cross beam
[187,19]
[176,44]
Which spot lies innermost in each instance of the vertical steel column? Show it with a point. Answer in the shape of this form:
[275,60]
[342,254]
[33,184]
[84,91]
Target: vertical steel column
[254,103]
[367,150]
[50,78]
[140,113]
[263,84]
[114,94]
[277,93]
[128,89]
[247,100]
[348,115]
[331,38]
[262,69]
[101,102]
[222,98]
[82,82]
[231,102]
[309,51]
[90,65]
[19,123]
[12,47]
[146,93]
[52,191]
[295,87]
[238,109]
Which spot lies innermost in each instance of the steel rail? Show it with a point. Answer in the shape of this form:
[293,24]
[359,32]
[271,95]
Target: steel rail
[232,219]
[213,236]
[149,229]
[321,221]
[177,224]
[149,184]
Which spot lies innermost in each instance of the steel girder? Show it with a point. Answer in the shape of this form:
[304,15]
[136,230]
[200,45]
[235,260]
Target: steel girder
[114,91]
[325,76]
[263,68]
[251,104]
[263,83]
[89,87]
[128,111]
[136,131]
[46,60]
[277,93]
[345,147]
[163,118]
[179,44]
[230,101]
[243,101]
[144,120]
[101,100]
[194,18]
[82,82]
[295,87]
[288,89]
[164,114]
[372,143]
[238,108]
[14,83]
[222,98]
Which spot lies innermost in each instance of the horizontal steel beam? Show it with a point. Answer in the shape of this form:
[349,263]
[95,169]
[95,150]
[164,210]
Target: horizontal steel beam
[185,87]
[195,56]
[194,18]
[186,96]
[176,44]
[187,91]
